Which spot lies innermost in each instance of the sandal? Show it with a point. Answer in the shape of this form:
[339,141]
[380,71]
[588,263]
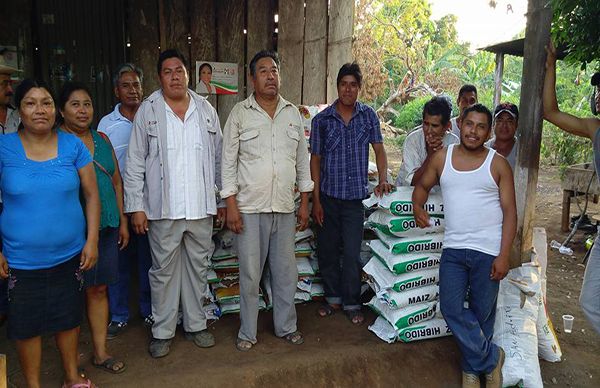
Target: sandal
[87,384]
[295,338]
[243,345]
[109,365]
[327,309]
[355,316]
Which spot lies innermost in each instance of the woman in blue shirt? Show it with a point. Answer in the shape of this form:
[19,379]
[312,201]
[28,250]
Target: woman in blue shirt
[44,232]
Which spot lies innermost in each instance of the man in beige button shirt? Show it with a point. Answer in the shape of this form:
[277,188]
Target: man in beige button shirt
[265,159]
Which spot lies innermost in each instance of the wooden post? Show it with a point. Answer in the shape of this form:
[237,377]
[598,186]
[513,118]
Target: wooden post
[314,84]
[537,34]
[290,45]
[339,46]
[143,29]
[3,378]
[204,39]
[230,48]
[261,26]
[498,73]
[175,27]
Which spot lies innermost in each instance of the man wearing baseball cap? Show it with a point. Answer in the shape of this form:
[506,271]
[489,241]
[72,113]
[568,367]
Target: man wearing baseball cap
[506,121]
[9,117]
[9,122]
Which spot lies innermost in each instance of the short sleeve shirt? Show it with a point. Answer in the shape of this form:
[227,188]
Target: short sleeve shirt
[42,224]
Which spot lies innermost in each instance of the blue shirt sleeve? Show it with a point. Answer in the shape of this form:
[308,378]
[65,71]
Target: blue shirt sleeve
[83,156]
[375,135]
[315,136]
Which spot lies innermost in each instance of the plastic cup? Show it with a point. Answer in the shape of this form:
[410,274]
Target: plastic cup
[568,322]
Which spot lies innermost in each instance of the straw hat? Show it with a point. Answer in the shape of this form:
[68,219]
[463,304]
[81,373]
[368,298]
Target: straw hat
[4,67]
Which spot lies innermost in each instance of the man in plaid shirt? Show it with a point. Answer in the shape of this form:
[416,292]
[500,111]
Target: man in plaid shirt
[339,142]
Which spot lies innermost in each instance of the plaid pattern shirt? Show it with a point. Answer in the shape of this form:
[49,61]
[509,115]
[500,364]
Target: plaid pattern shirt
[344,150]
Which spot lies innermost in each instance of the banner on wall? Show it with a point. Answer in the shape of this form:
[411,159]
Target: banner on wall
[216,77]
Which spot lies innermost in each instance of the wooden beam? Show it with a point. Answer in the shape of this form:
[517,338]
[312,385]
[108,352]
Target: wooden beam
[261,25]
[3,378]
[144,35]
[537,34]
[498,75]
[204,38]
[314,84]
[230,48]
[339,46]
[290,45]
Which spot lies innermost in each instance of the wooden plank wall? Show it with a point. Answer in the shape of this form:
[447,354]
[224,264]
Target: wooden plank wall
[315,53]
[312,40]
[231,48]
[144,39]
[290,45]
[261,26]
[339,45]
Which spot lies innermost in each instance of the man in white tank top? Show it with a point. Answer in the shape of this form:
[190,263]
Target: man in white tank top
[481,220]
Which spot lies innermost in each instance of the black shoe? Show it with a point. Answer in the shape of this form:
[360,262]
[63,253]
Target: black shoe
[115,328]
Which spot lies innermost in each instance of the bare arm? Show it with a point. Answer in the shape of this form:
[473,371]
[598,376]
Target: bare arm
[89,254]
[509,217]
[315,173]
[384,187]
[429,178]
[584,127]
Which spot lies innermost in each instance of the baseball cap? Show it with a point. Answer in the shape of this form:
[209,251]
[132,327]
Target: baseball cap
[507,107]
[4,67]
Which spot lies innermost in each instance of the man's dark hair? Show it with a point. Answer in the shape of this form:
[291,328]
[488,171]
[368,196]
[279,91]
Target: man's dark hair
[595,81]
[350,69]
[479,108]
[260,55]
[438,106]
[167,54]
[467,88]
[68,89]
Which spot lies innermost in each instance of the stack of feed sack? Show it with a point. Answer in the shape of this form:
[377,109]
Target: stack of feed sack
[404,268]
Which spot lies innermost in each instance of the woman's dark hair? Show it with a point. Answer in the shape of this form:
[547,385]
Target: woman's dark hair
[24,87]
[68,89]
[202,66]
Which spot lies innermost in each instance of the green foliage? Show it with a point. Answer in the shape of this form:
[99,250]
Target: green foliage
[411,114]
[576,24]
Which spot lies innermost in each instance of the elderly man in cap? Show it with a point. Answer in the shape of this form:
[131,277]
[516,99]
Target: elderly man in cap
[9,122]
[506,121]
[9,117]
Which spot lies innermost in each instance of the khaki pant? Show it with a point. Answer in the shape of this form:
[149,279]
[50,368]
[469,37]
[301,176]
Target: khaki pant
[180,258]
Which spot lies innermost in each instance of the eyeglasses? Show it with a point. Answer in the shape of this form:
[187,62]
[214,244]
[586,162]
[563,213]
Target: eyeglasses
[6,83]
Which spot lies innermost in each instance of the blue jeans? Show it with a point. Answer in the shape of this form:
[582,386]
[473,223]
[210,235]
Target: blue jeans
[338,250]
[473,327]
[118,293]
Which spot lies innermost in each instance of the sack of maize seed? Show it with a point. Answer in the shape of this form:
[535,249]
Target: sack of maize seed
[383,279]
[399,202]
[406,316]
[404,263]
[414,244]
[402,226]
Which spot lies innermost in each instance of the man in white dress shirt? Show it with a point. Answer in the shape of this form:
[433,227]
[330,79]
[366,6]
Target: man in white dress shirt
[171,180]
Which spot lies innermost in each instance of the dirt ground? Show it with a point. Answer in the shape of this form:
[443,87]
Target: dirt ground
[337,353]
